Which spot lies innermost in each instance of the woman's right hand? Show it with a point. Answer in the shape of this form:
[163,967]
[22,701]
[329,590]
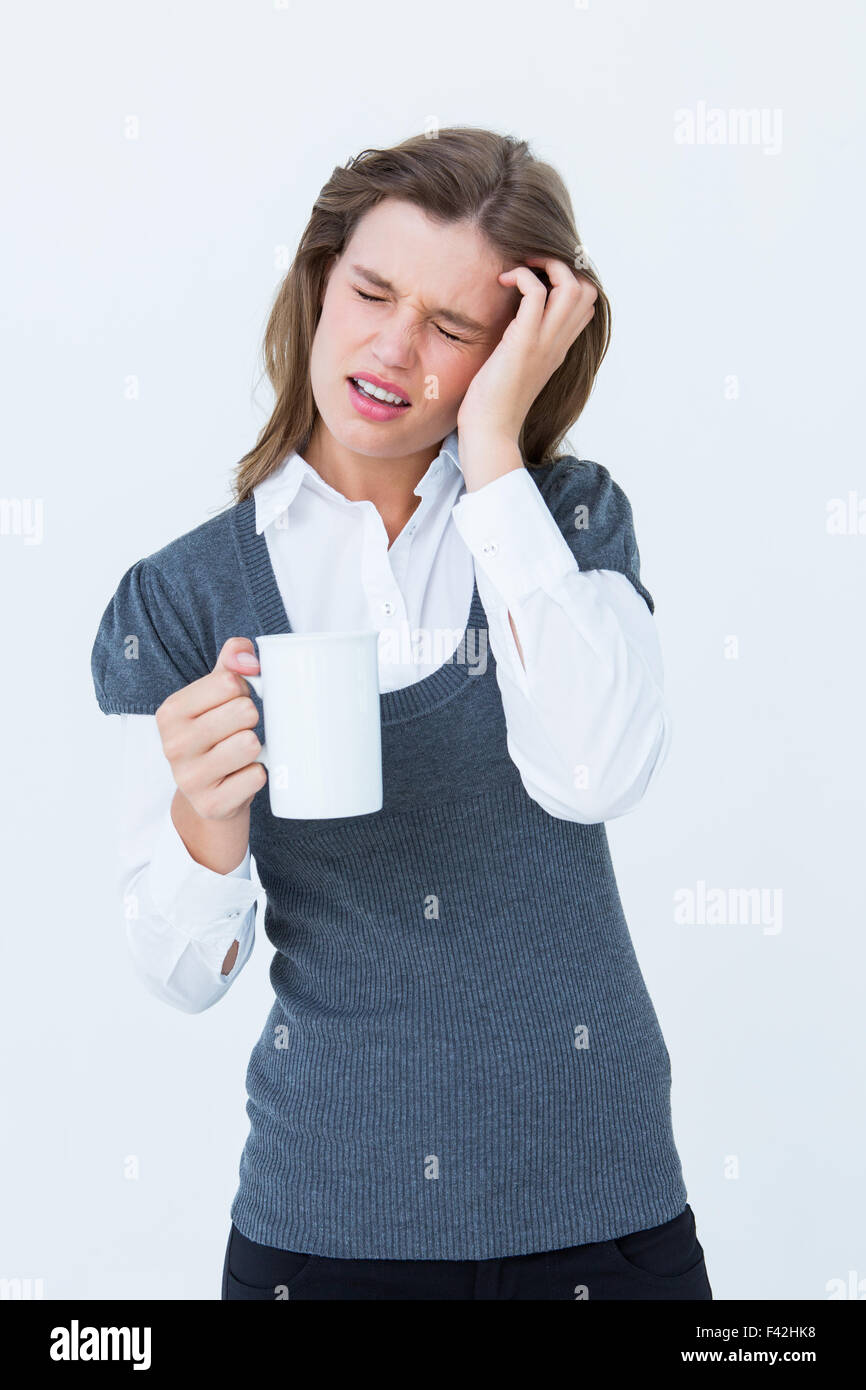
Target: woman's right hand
[208,736]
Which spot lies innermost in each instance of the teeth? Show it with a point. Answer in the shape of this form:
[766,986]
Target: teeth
[377,393]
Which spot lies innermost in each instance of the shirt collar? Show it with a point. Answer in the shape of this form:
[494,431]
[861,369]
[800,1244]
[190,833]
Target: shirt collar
[279,490]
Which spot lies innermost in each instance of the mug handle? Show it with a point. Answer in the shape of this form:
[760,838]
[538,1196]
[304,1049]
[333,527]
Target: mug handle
[256,683]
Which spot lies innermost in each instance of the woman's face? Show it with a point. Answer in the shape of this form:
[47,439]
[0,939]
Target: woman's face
[425,337]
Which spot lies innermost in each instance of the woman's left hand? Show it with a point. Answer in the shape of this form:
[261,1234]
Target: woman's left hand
[533,345]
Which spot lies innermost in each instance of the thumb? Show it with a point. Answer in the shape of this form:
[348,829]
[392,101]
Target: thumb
[238,654]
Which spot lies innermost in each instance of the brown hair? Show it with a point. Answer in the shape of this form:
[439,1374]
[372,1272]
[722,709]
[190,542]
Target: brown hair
[521,206]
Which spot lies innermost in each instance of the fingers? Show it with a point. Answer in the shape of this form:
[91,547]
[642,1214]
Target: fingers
[214,725]
[564,276]
[224,682]
[207,771]
[572,293]
[530,310]
[569,306]
[225,798]
[208,735]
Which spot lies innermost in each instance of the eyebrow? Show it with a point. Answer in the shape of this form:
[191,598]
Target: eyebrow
[460,320]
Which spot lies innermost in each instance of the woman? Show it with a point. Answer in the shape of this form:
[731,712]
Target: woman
[462,1090]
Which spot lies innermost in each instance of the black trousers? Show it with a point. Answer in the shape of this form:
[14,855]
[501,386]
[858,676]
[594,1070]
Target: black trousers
[663,1262]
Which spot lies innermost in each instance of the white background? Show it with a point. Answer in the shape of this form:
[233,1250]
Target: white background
[157,258]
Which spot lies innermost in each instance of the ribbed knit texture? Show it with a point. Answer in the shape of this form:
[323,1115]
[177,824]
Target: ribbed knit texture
[417,1091]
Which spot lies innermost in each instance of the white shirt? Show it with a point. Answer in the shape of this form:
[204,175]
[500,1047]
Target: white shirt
[590,696]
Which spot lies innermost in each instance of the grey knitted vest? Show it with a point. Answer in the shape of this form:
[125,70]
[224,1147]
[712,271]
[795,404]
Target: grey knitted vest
[462,1060]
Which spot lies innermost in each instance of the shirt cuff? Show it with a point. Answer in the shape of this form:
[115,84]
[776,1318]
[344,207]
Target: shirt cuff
[197,900]
[513,536]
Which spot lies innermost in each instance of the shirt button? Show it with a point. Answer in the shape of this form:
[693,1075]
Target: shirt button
[490,547]
[387,607]
[234,913]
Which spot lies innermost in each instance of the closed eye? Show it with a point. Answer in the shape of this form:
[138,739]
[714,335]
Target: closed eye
[374,299]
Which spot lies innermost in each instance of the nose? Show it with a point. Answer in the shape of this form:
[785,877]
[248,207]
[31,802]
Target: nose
[394,344]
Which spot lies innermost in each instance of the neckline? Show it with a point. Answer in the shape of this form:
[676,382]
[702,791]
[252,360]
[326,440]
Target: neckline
[271,617]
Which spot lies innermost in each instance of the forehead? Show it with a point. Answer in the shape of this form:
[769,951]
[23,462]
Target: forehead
[434,265]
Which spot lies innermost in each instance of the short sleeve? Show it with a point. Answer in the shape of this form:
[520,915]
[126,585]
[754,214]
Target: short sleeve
[595,517]
[144,649]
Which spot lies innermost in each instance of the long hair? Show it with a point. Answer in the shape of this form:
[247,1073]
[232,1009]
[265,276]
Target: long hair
[462,173]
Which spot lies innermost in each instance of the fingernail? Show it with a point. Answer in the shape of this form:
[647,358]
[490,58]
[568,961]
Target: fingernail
[247,659]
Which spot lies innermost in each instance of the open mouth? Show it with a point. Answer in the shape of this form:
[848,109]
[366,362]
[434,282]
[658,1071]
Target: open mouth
[367,391]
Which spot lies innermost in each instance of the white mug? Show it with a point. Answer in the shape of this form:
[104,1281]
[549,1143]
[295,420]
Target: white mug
[323,737]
